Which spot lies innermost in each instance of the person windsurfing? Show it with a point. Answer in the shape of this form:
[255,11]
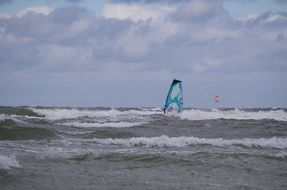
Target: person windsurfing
[174,99]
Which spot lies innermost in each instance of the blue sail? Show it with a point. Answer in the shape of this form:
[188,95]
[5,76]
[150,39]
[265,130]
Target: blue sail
[174,99]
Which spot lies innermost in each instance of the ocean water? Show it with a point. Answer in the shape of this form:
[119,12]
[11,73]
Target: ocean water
[72,148]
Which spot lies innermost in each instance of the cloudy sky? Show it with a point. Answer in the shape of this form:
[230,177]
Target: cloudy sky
[126,52]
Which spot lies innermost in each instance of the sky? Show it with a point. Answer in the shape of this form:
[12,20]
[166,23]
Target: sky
[125,53]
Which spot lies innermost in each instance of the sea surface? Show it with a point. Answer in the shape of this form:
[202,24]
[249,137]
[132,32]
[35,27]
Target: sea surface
[72,148]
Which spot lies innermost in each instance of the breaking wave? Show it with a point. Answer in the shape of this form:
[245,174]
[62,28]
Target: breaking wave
[195,114]
[9,162]
[4,118]
[63,113]
[165,141]
[191,114]
[105,124]
[20,111]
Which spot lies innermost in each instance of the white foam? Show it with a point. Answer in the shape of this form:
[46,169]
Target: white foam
[15,118]
[162,141]
[194,114]
[61,113]
[4,117]
[107,124]
[151,109]
[281,155]
[58,113]
[8,162]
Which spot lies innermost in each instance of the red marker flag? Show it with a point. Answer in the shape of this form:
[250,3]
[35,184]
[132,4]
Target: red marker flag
[216,99]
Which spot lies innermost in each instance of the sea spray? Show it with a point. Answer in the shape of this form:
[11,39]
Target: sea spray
[8,162]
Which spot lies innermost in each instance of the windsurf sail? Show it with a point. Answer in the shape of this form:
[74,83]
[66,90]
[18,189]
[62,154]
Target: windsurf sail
[174,99]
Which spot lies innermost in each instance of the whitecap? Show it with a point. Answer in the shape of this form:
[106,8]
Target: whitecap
[9,162]
[120,124]
[63,113]
[165,141]
[195,114]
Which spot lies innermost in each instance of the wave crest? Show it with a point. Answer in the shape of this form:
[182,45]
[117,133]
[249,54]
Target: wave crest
[195,114]
[9,162]
[165,141]
[191,114]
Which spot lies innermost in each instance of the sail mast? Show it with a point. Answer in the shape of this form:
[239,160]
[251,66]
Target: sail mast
[174,99]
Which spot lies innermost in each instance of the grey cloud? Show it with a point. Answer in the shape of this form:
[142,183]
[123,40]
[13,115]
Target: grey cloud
[269,20]
[175,1]
[268,58]
[5,1]
[16,55]
[243,1]
[34,39]
[281,1]
[150,1]
[66,1]
[198,11]
[101,42]
[69,14]
[280,37]
[224,53]
[74,1]
[43,27]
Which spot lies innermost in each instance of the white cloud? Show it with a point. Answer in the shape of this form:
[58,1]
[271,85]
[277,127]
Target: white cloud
[79,27]
[246,17]
[37,10]
[4,15]
[276,17]
[57,55]
[198,10]
[135,12]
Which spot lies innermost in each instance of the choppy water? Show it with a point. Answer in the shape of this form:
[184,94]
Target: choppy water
[141,148]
